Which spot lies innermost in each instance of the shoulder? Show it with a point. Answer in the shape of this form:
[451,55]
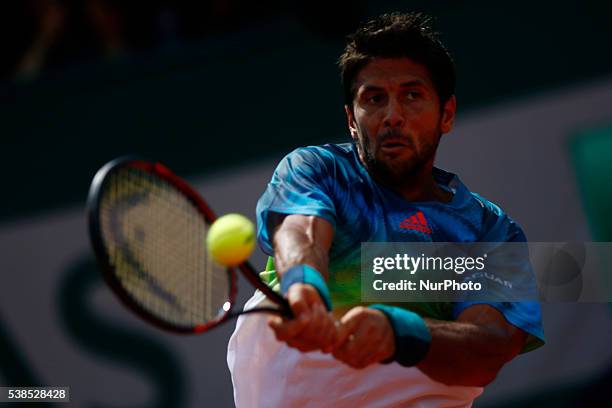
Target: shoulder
[322,153]
[497,225]
[486,221]
[326,158]
[489,208]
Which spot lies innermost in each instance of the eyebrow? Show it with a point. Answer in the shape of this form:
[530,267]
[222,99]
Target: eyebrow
[408,84]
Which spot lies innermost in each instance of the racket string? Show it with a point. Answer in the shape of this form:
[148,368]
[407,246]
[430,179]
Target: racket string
[155,237]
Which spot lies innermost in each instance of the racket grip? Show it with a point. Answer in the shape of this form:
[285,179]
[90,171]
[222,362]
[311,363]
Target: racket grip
[286,309]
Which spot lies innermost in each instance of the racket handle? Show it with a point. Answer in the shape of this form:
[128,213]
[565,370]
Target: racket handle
[252,276]
[285,310]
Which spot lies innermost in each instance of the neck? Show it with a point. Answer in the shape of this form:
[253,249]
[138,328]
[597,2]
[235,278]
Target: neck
[419,186]
[422,187]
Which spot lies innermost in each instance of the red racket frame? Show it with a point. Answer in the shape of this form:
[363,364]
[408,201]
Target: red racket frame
[159,170]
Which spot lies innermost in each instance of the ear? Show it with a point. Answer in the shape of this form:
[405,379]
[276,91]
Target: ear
[448,114]
[350,118]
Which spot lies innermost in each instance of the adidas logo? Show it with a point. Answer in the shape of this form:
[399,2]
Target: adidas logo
[416,222]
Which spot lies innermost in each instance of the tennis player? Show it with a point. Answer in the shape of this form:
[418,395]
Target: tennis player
[324,201]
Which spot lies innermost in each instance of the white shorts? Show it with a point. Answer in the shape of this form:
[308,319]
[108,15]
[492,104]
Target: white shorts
[267,373]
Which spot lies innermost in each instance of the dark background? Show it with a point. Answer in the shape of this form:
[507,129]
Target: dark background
[220,91]
[177,80]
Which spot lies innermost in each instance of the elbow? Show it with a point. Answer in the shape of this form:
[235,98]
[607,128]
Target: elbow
[483,370]
[479,378]
[471,374]
[485,373]
[483,379]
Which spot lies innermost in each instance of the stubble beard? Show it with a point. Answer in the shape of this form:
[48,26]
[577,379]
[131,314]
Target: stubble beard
[395,173]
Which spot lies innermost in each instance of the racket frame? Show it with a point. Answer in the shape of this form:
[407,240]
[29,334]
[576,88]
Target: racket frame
[95,234]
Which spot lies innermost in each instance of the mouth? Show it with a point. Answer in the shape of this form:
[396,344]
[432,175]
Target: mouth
[393,146]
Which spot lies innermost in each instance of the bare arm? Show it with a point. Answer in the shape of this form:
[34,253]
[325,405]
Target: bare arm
[304,240]
[471,350]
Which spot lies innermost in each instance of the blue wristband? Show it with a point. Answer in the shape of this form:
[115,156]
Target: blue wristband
[306,274]
[412,336]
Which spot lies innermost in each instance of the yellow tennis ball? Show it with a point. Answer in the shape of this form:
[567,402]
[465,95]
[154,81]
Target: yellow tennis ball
[231,239]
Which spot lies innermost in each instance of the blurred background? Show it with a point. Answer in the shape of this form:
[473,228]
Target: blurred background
[220,91]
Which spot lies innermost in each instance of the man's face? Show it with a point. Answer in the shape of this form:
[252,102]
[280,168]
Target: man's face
[396,119]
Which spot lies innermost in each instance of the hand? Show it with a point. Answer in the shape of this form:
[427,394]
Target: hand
[312,328]
[365,337]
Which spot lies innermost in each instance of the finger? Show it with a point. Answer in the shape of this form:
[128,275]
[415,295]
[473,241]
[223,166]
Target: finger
[301,344]
[370,359]
[332,327]
[286,329]
[297,296]
[360,347]
[364,360]
[312,336]
[342,335]
[363,345]
[302,310]
[349,323]
[306,343]
[275,322]
[341,354]
[376,342]
[329,331]
[314,330]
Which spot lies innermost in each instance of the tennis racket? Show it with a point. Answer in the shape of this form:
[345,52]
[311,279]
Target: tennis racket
[148,230]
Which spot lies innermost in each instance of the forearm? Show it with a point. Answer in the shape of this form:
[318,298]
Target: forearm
[302,240]
[465,353]
[301,244]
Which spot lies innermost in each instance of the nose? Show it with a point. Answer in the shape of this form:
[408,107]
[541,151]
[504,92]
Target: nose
[394,115]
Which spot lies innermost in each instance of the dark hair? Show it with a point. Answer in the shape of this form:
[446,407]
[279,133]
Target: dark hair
[398,35]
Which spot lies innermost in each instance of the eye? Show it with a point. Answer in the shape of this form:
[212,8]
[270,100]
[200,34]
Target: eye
[413,95]
[374,99]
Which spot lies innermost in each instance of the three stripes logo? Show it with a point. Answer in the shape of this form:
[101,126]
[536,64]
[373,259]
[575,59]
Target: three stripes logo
[416,222]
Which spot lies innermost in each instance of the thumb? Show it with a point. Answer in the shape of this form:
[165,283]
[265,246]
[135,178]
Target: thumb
[345,327]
